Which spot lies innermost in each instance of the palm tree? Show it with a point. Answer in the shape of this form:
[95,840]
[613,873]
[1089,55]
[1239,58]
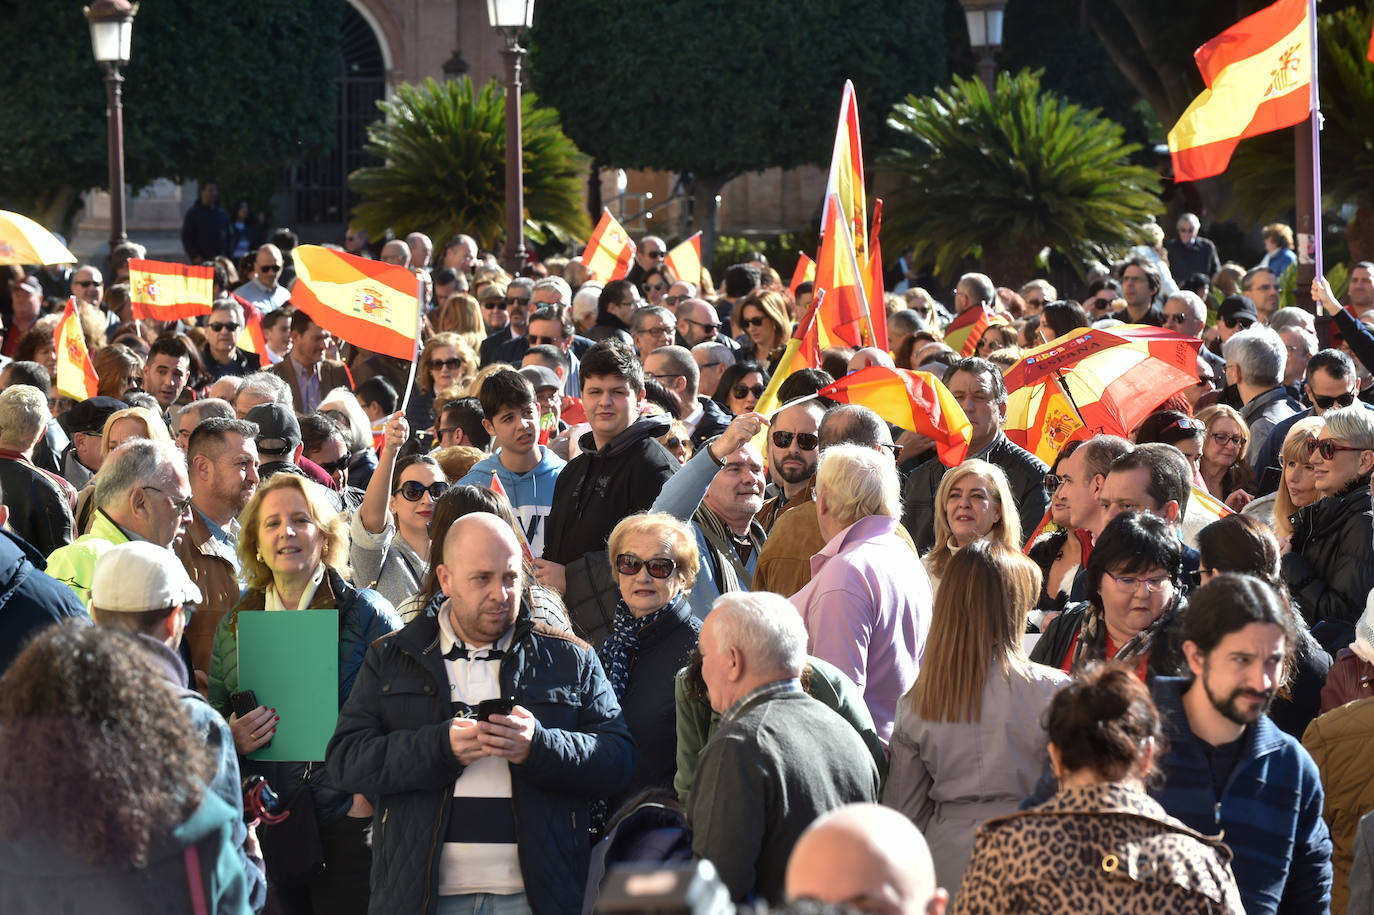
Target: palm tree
[1002,176]
[444,145]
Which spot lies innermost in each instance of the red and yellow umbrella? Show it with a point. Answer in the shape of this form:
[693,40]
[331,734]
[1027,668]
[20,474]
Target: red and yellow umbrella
[1094,381]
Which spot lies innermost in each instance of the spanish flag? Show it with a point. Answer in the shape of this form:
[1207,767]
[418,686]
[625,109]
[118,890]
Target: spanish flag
[1259,79]
[805,273]
[685,260]
[76,377]
[846,179]
[967,328]
[251,338]
[609,252]
[370,304]
[842,318]
[801,352]
[917,401]
[163,291]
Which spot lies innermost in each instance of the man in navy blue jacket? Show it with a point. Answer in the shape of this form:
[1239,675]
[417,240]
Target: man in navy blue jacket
[30,600]
[1228,768]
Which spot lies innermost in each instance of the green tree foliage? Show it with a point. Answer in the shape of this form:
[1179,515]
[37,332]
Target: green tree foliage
[722,87]
[444,145]
[213,90]
[1262,167]
[1001,177]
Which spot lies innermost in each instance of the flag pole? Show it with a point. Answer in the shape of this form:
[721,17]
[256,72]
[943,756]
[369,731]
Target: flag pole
[1316,143]
[419,323]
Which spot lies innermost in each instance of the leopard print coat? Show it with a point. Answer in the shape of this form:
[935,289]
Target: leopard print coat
[1096,849]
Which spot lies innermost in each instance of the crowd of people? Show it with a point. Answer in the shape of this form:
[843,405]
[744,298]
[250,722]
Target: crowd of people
[594,610]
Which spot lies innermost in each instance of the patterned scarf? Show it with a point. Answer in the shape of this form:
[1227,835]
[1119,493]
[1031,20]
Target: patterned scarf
[1092,639]
[732,573]
[623,642]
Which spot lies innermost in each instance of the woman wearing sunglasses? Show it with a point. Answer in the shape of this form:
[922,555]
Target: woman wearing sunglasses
[764,326]
[656,282]
[654,560]
[293,549]
[445,363]
[1133,579]
[389,535]
[741,386]
[1223,465]
[1329,562]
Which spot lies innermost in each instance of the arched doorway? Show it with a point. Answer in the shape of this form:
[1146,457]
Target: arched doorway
[313,197]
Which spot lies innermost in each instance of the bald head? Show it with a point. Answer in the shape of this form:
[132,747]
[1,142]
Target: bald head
[867,857]
[476,529]
[482,576]
[396,252]
[870,356]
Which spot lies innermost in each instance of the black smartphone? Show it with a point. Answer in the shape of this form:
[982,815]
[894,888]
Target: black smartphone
[243,701]
[488,707]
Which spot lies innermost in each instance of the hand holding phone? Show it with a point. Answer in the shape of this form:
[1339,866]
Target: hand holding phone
[488,707]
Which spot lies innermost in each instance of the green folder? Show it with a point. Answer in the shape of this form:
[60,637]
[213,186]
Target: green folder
[290,660]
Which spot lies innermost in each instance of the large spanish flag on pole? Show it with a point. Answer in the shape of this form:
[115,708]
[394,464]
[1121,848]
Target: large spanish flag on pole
[364,302]
[685,260]
[76,377]
[609,252]
[163,291]
[1259,78]
[842,318]
[846,180]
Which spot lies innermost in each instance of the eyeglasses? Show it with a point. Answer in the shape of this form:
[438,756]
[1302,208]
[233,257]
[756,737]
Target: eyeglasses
[334,467]
[221,326]
[1224,438]
[676,300]
[655,287]
[1242,323]
[537,340]
[656,331]
[707,365]
[269,268]
[1052,482]
[1326,403]
[516,300]
[660,376]
[656,255]
[1175,319]
[452,365]
[497,304]
[630,564]
[895,450]
[85,284]
[741,391]
[181,505]
[1327,448]
[444,433]
[706,325]
[1036,303]
[806,441]
[752,322]
[412,490]
[1209,379]
[1131,583]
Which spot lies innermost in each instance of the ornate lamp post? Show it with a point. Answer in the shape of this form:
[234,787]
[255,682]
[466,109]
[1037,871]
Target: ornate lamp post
[512,18]
[112,29]
[985,35]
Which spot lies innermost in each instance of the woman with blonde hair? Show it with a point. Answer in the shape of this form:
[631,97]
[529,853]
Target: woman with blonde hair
[293,549]
[973,502]
[1223,466]
[968,743]
[460,314]
[1297,485]
[765,327]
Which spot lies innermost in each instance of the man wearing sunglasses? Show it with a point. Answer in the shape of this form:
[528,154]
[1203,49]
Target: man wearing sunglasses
[718,492]
[1331,383]
[221,354]
[697,322]
[528,471]
[793,453]
[1186,314]
[1255,361]
[650,252]
[262,289]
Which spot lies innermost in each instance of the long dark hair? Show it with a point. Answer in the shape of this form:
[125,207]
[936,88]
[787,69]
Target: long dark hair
[99,756]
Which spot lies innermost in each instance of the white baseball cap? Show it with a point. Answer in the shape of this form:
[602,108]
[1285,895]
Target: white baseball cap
[139,576]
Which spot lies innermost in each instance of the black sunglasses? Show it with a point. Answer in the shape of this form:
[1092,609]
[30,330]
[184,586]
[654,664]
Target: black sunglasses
[85,284]
[1242,323]
[219,326]
[656,254]
[806,441]
[334,467]
[516,300]
[538,340]
[412,491]
[1052,482]
[495,303]
[452,365]
[708,325]
[270,268]
[741,391]
[1326,403]
[630,564]
[752,322]
[654,287]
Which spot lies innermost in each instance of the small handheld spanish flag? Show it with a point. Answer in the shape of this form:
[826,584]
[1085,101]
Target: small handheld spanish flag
[163,291]
[500,490]
[609,252]
[76,377]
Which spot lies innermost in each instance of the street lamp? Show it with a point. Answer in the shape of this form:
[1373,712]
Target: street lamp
[985,35]
[512,18]
[112,30]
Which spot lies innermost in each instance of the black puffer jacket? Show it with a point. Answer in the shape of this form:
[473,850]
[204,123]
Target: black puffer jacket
[392,744]
[1330,568]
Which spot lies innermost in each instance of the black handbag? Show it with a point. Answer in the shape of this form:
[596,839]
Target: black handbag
[293,849]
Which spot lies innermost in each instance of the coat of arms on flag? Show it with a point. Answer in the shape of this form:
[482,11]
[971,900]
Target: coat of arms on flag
[371,302]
